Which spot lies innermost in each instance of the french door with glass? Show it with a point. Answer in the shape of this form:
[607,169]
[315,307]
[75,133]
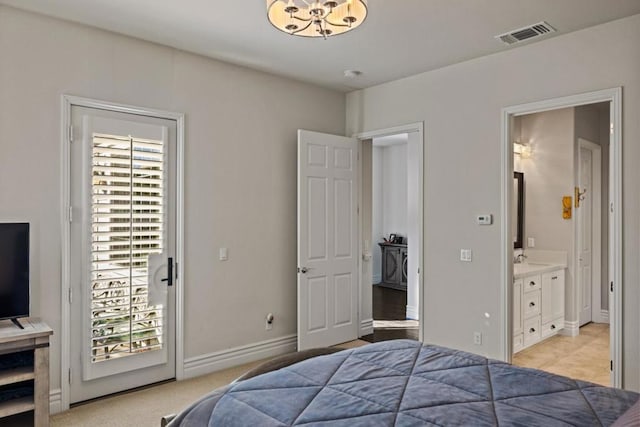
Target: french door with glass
[123,234]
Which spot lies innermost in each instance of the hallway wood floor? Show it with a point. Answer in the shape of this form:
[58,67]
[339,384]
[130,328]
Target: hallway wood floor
[585,357]
[390,304]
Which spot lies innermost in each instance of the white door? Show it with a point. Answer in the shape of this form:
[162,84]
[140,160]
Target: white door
[327,240]
[588,242]
[122,239]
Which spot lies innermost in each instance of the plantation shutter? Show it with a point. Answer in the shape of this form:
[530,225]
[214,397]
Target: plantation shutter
[127,217]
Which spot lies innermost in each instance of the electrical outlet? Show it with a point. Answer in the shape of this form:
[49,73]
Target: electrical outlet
[531,242]
[465,255]
[477,338]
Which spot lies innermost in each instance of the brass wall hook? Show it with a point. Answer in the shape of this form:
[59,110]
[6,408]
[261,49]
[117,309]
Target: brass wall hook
[579,196]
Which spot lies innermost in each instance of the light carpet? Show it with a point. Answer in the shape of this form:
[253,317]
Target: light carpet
[145,407]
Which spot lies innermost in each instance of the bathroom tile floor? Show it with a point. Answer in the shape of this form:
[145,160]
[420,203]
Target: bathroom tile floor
[585,357]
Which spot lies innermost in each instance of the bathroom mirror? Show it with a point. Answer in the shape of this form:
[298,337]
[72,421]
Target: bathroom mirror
[517,211]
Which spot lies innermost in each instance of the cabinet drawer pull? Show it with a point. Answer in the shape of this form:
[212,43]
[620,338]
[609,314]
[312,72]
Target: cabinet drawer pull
[532,304]
[532,283]
[554,277]
[532,330]
[553,326]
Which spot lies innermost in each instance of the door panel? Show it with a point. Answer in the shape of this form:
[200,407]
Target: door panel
[327,259]
[585,238]
[122,194]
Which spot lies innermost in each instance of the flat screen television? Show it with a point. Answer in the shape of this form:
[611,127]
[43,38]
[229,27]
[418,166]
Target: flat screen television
[14,270]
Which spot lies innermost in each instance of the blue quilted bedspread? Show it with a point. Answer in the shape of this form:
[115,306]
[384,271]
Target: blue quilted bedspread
[403,383]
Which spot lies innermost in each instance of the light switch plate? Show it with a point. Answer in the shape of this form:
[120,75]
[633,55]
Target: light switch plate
[224,254]
[465,255]
[484,219]
[531,242]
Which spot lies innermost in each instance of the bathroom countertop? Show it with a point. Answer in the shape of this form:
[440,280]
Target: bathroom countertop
[529,268]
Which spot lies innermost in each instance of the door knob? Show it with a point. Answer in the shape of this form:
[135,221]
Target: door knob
[303,270]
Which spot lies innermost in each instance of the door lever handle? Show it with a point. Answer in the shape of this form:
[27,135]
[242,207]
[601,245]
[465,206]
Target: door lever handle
[169,279]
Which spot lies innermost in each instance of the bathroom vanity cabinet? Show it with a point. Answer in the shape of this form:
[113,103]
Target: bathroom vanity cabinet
[538,306]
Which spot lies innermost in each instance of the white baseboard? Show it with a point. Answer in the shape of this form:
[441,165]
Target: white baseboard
[366,327]
[604,316]
[55,401]
[412,313]
[207,363]
[376,278]
[571,328]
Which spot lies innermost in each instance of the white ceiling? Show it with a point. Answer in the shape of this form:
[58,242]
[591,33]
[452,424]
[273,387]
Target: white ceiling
[398,39]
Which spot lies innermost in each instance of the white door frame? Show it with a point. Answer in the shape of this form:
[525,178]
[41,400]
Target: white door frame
[418,128]
[614,97]
[65,340]
[596,228]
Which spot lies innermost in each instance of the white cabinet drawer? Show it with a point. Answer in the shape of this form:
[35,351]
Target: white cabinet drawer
[531,331]
[531,304]
[552,328]
[517,343]
[532,283]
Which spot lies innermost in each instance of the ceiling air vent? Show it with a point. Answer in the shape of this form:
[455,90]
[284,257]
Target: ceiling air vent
[526,33]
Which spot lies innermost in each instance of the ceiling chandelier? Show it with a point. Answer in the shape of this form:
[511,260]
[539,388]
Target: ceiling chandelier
[316,18]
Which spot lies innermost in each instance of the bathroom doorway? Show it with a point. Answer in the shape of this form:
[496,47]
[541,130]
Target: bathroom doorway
[560,246]
[563,315]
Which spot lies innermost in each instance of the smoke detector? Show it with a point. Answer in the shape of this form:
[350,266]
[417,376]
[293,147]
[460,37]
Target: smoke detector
[526,33]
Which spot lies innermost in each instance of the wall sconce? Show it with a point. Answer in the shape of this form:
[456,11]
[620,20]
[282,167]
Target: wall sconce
[523,149]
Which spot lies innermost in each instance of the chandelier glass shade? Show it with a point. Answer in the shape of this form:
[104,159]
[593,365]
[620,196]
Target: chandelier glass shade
[316,18]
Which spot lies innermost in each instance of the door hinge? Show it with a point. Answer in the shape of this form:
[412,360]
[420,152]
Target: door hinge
[70,213]
[69,375]
[418,270]
[70,133]
[70,295]
[611,207]
[611,286]
[176,269]
[611,365]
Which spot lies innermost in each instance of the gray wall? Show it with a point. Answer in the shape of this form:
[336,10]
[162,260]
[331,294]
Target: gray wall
[460,106]
[240,167]
[548,176]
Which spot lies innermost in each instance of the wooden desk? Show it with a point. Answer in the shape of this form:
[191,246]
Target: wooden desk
[25,358]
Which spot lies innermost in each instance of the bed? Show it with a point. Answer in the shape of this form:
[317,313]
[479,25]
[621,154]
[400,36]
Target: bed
[405,383]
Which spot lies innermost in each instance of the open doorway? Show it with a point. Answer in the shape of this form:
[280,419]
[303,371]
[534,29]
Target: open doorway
[564,235]
[335,242]
[557,155]
[390,190]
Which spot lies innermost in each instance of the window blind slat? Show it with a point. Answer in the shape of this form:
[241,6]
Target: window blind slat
[127,217]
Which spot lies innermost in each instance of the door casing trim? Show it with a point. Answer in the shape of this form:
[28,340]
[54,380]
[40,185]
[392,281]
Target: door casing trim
[65,315]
